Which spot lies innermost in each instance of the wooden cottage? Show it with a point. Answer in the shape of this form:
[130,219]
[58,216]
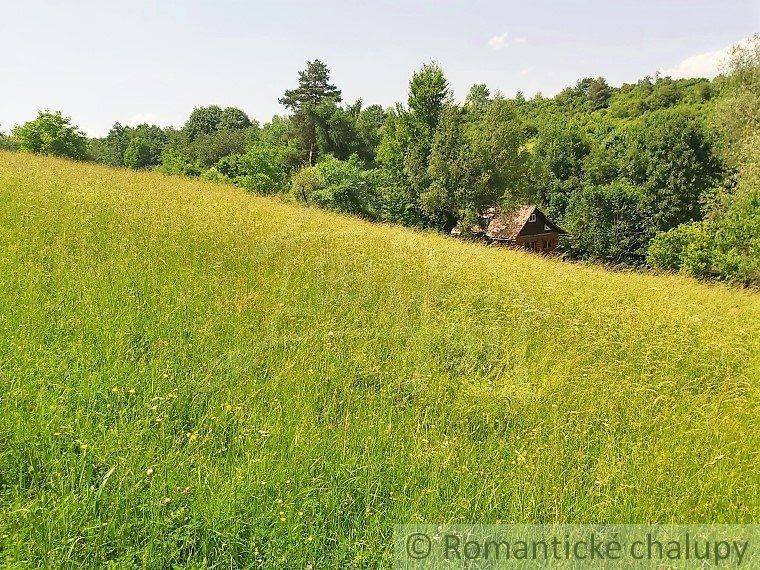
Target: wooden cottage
[526,227]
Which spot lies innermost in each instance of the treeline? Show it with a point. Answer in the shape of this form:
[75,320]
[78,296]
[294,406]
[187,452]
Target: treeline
[662,173]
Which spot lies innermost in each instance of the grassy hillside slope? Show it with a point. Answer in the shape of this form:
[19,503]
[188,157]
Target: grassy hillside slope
[192,375]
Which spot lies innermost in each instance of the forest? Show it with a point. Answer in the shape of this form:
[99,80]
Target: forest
[659,174]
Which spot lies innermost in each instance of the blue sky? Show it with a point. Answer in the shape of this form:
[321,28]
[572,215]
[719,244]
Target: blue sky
[131,61]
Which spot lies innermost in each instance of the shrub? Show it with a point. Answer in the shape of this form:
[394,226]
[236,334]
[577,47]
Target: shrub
[213,175]
[607,223]
[175,162]
[339,185]
[666,248]
[726,248]
[260,169]
[7,142]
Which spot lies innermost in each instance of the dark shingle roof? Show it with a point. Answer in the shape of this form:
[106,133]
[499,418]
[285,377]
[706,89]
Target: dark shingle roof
[506,225]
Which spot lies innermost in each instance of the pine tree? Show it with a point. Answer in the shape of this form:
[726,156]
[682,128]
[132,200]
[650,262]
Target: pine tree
[308,102]
[313,87]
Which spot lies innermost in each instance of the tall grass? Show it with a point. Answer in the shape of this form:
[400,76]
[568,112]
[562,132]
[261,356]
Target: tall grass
[191,375]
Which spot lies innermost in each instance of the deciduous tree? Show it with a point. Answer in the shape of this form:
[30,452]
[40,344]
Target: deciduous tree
[52,133]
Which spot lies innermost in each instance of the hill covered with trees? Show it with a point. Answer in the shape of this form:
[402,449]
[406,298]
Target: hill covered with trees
[660,173]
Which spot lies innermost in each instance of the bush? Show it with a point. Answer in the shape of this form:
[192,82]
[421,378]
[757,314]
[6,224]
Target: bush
[174,162]
[7,142]
[213,175]
[681,249]
[260,169]
[736,254]
[607,223]
[52,133]
[666,248]
[338,185]
[727,248]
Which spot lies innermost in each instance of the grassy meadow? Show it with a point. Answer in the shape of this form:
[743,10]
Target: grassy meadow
[194,376]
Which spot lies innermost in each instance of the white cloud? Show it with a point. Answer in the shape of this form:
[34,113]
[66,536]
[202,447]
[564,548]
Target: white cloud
[708,64]
[502,41]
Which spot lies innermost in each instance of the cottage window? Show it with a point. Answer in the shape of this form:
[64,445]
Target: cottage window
[532,217]
[547,228]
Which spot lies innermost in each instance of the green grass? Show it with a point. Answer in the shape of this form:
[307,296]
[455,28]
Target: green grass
[191,375]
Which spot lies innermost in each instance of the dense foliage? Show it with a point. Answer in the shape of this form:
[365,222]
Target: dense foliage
[726,244]
[660,172]
[7,142]
[52,133]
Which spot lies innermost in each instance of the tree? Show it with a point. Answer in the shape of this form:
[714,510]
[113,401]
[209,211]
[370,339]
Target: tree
[174,162]
[604,161]
[558,162]
[498,143]
[277,134]
[607,223]
[674,160]
[562,146]
[598,93]
[233,119]
[211,119]
[52,133]
[6,142]
[589,94]
[138,154]
[207,150]
[369,124]
[203,121]
[111,148]
[336,129]
[400,202]
[737,115]
[631,99]
[726,245]
[453,180]
[665,93]
[428,93]
[313,87]
[478,98]
[305,131]
[312,102]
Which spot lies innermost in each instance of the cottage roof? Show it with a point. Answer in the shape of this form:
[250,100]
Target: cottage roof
[506,225]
